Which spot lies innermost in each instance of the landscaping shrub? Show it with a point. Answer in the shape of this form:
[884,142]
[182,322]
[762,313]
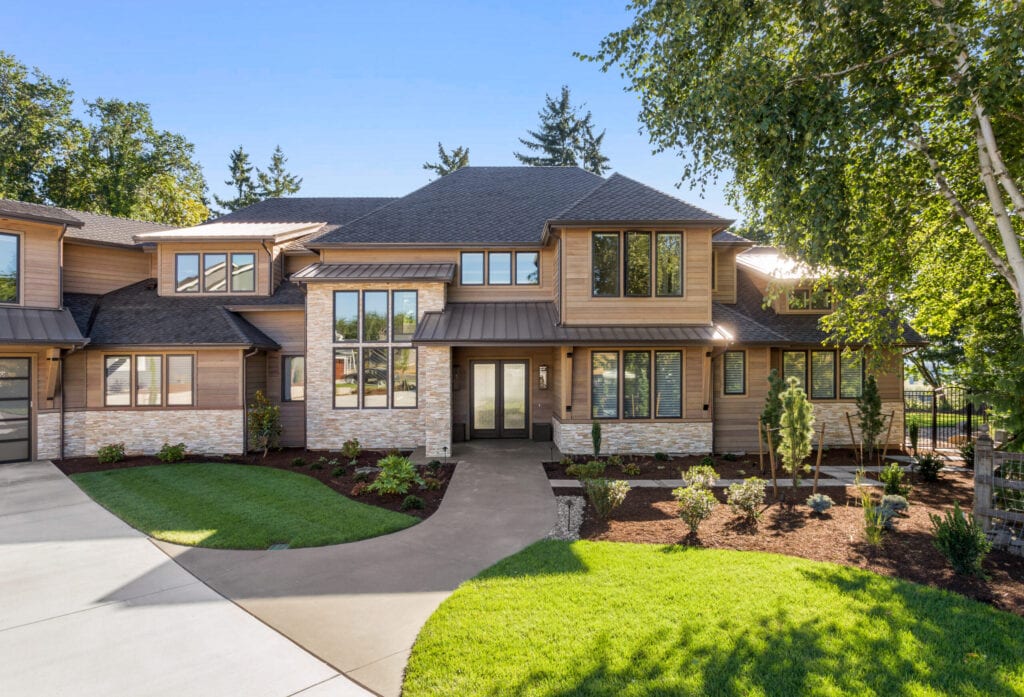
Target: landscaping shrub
[631,469]
[586,470]
[796,430]
[869,417]
[595,438]
[819,503]
[298,462]
[354,462]
[967,453]
[397,475]
[961,540]
[434,466]
[660,456]
[566,461]
[171,453]
[411,502]
[351,449]
[771,413]
[695,505]
[323,462]
[895,503]
[359,488]
[605,495]
[113,452]
[431,483]
[914,432]
[362,476]
[614,460]
[317,464]
[747,497]
[700,475]
[874,520]
[928,467]
[264,423]
[707,461]
[338,472]
[892,479]
[729,457]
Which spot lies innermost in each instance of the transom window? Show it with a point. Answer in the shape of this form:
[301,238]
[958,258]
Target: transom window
[819,366]
[807,299]
[651,384]
[499,268]
[148,380]
[647,262]
[10,268]
[215,272]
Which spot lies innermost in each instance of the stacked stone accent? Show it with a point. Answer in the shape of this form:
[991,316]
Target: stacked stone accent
[144,431]
[47,435]
[837,431]
[622,437]
[327,428]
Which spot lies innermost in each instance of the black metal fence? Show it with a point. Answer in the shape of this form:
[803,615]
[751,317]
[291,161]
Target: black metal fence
[945,417]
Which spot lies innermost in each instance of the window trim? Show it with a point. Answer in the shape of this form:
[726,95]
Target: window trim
[387,317]
[483,269]
[359,377]
[160,380]
[231,272]
[618,387]
[839,374]
[682,264]
[511,268]
[167,378]
[362,371]
[133,357]
[807,368]
[682,384]
[725,386]
[650,263]
[359,315]
[618,263]
[19,271]
[810,370]
[131,379]
[285,382]
[227,272]
[622,380]
[515,272]
[416,318]
[391,376]
[199,272]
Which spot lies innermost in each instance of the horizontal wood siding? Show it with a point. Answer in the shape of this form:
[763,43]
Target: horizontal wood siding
[287,328]
[580,308]
[725,275]
[98,270]
[736,416]
[297,262]
[166,251]
[40,262]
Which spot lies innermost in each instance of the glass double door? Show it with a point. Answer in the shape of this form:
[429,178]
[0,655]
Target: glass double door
[500,399]
[15,408]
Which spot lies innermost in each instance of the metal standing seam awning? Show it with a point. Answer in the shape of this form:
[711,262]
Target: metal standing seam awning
[443,272]
[22,325]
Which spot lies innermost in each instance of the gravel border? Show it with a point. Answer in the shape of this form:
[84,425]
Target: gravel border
[570,518]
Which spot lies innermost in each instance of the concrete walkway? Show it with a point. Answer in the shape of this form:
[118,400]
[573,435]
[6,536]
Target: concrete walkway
[359,606]
[89,606]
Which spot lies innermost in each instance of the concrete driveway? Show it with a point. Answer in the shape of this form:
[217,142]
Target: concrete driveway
[89,606]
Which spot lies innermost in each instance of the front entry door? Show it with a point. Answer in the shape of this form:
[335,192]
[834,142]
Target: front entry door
[15,403]
[500,399]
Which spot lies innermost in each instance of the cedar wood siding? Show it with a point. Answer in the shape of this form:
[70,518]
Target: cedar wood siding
[287,328]
[580,308]
[297,262]
[39,257]
[165,263]
[736,416]
[100,269]
[725,275]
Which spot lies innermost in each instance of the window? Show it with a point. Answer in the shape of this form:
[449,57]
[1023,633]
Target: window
[403,378]
[823,375]
[638,264]
[605,264]
[148,379]
[293,373]
[186,273]
[806,299]
[472,268]
[243,273]
[403,314]
[117,381]
[10,267]
[851,375]
[668,384]
[794,365]
[375,378]
[636,385]
[734,372]
[375,315]
[527,268]
[215,273]
[669,264]
[346,378]
[604,385]
[499,268]
[346,315]
[180,379]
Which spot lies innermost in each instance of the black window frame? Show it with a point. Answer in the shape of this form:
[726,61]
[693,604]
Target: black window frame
[654,382]
[17,267]
[626,257]
[177,272]
[622,383]
[286,383]
[618,386]
[387,317]
[536,256]
[359,377]
[682,264]
[839,374]
[810,369]
[394,336]
[807,368]
[511,269]
[725,384]
[392,373]
[359,314]
[618,263]
[363,350]
[231,272]
[227,272]
[462,268]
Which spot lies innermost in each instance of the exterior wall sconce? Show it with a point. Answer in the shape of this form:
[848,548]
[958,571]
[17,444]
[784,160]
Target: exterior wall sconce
[542,377]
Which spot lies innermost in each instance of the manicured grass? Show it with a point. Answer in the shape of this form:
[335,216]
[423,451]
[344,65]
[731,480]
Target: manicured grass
[600,618]
[924,420]
[235,506]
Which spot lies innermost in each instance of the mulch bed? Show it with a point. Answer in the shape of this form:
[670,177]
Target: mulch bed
[649,516]
[283,459]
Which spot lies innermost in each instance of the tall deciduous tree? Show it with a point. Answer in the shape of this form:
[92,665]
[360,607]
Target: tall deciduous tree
[448,162]
[276,180]
[241,182]
[565,138]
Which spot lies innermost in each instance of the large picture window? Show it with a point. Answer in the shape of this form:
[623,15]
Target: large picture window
[734,372]
[605,264]
[604,385]
[375,315]
[668,379]
[404,314]
[669,264]
[636,385]
[851,374]
[186,273]
[794,365]
[346,315]
[10,268]
[403,378]
[293,375]
[346,378]
[148,380]
[638,264]
[823,374]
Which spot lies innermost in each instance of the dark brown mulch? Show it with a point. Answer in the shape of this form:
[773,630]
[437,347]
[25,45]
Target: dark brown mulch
[283,459]
[649,516]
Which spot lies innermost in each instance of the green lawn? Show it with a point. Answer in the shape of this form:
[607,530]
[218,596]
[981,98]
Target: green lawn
[593,618]
[924,420]
[235,506]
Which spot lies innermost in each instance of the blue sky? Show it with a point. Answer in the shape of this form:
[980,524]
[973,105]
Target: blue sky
[357,94]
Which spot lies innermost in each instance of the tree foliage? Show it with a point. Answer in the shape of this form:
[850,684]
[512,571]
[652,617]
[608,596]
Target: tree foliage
[277,181]
[264,423]
[448,162]
[796,430]
[565,138]
[771,413]
[869,417]
[241,181]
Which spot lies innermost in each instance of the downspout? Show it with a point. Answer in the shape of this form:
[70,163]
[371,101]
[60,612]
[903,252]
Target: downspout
[60,268]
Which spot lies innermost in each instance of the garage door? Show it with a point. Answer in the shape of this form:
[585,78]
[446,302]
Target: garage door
[15,428]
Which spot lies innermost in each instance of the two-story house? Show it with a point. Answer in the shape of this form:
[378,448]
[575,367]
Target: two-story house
[495,302]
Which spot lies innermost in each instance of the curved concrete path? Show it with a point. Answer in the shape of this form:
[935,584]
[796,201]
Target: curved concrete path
[359,606]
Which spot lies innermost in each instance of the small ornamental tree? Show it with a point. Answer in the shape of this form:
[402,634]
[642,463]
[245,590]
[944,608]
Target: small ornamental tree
[264,423]
[797,428]
[772,411]
[869,412]
[595,438]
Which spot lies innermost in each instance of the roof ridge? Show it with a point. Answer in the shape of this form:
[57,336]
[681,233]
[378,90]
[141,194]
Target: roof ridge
[584,197]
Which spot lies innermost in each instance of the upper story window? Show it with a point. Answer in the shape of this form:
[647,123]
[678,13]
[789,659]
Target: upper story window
[221,272]
[649,262]
[499,268]
[527,268]
[472,267]
[10,266]
[806,299]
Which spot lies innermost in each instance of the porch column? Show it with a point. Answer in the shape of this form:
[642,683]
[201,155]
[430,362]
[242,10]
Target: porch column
[437,399]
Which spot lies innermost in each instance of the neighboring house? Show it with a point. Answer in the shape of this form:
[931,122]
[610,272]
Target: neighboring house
[495,302]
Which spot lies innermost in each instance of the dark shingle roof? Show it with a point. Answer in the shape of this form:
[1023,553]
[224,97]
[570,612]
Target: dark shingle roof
[136,315]
[108,229]
[471,206]
[306,209]
[731,238]
[537,323]
[376,272]
[24,325]
[37,211]
[621,199]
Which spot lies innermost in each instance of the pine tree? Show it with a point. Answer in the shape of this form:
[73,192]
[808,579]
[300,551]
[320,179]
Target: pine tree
[565,138]
[871,422]
[771,413]
[448,162]
[241,181]
[276,180]
[797,429]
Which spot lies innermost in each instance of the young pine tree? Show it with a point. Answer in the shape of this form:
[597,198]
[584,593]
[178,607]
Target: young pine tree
[565,138]
[276,180]
[869,411]
[448,162]
[241,182]
[771,414]
[797,428]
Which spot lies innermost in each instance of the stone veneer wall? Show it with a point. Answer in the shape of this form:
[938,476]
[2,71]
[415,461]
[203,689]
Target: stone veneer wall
[47,435]
[144,431]
[837,431]
[635,437]
[327,428]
